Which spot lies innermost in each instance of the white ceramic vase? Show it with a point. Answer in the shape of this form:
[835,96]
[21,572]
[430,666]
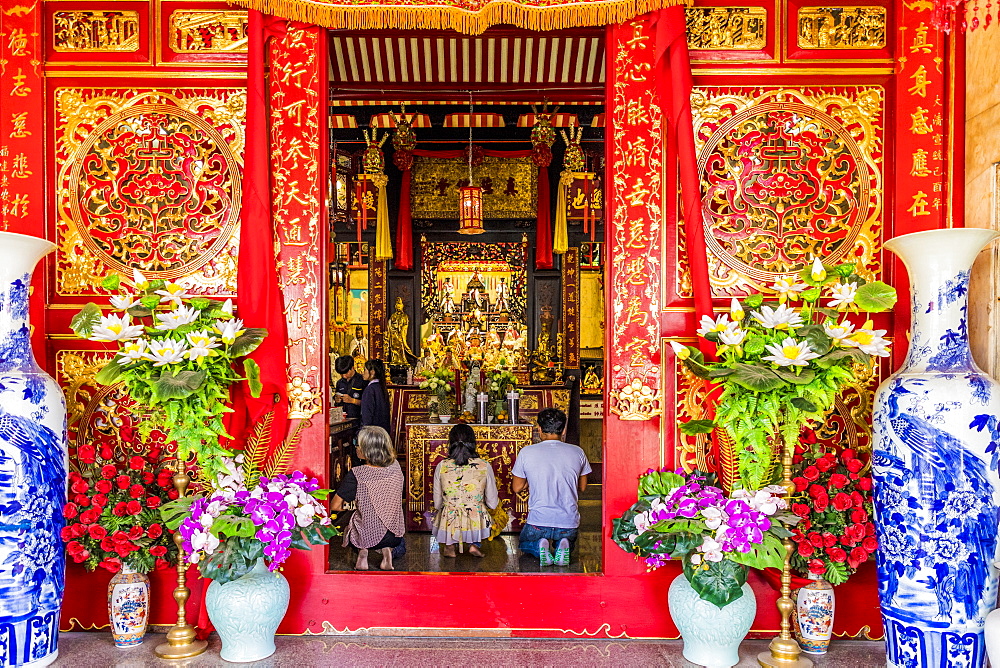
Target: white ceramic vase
[32,472]
[246,613]
[936,449]
[128,607]
[712,635]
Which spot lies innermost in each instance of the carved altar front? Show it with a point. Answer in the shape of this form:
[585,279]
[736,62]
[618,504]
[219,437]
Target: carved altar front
[427,444]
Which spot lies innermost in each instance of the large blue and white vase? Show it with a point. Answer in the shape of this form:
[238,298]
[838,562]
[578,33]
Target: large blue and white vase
[32,472]
[246,613]
[712,635]
[936,449]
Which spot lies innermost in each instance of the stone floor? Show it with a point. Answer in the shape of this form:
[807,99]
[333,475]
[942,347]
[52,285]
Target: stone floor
[96,650]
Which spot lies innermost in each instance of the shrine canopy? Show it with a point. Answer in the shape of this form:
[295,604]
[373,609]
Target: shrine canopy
[471,17]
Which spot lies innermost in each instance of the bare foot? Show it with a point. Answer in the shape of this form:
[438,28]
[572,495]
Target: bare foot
[362,564]
[386,564]
[475,551]
[448,551]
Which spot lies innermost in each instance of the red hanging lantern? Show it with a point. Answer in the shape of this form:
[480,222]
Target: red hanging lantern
[470,210]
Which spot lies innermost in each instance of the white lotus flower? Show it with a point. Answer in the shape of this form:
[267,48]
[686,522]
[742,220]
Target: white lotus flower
[869,341]
[165,351]
[201,345]
[790,353]
[732,335]
[139,280]
[736,310]
[787,289]
[133,351]
[172,292]
[228,330]
[182,315]
[124,302]
[682,351]
[782,317]
[116,328]
[708,325]
[839,331]
[818,271]
[227,308]
[843,295]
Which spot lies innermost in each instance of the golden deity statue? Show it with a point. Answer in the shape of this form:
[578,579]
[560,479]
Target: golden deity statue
[399,349]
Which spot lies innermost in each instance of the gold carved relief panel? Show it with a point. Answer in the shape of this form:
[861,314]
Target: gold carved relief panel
[787,174]
[148,180]
[726,28]
[208,31]
[95,31]
[841,27]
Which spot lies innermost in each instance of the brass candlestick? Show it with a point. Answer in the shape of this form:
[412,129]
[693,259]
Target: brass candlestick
[784,651]
[181,643]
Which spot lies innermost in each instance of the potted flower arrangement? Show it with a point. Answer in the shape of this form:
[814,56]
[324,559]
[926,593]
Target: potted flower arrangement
[239,533]
[718,538]
[836,534]
[440,386]
[113,522]
[175,357]
[499,382]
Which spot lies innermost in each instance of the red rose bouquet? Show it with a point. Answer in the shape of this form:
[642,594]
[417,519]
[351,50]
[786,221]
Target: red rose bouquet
[833,498]
[113,511]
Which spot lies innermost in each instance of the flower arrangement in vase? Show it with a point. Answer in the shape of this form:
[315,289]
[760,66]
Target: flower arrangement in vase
[440,386]
[782,367]
[499,382]
[175,357]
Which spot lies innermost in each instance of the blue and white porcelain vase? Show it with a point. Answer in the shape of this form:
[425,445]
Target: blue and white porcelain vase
[712,635]
[32,472]
[936,449]
[246,613]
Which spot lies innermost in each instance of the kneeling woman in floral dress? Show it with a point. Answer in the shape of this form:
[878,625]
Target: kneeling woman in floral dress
[464,490]
[377,486]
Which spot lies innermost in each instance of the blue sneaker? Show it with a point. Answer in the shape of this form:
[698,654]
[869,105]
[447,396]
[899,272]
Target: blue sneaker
[544,556]
[562,553]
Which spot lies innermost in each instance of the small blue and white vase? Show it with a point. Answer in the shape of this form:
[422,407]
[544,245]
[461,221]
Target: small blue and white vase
[246,613]
[712,635]
[32,472]
[936,450]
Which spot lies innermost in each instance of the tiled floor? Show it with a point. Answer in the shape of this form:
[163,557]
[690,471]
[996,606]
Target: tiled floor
[95,650]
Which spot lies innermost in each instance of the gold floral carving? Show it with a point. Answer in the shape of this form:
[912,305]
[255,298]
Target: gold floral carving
[138,164]
[208,31]
[841,28]
[726,28]
[637,401]
[691,397]
[304,401]
[95,31]
[786,174]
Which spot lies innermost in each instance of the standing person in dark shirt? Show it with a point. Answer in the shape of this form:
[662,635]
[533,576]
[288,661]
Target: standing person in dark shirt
[350,386]
[375,398]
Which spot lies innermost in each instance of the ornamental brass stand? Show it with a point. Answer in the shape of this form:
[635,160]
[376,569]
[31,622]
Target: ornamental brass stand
[784,651]
[181,643]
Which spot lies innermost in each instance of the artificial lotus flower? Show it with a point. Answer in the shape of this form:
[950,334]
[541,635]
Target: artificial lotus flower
[736,310]
[839,331]
[869,341]
[182,315]
[787,289]
[172,292]
[790,353]
[139,280]
[732,335]
[116,328]
[165,351]
[229,330]
[202,344]
[818,271]
[227,308]
[843,295]
[682,351]
[782,317]
[708,325]
[133,351]
[123,303]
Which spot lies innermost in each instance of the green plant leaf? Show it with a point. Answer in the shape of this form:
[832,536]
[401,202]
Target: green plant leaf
[111,282]
[140,311]
[804,377]
[819,341]
[178,386]
[844,270]
[753,301]
[110,372]
[768,554]
[697,368]
[754,345]
[804,405]
[150,301]
[755,378]
[83,323]
[692,427]
[174,512]
[252,371]
[200,303]
[230,526]
[875,297]
[719,583]
[810,295]
[247,342]
[839,355]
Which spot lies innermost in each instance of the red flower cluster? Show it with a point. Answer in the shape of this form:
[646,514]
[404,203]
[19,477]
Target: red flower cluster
[833,498]
[112,514]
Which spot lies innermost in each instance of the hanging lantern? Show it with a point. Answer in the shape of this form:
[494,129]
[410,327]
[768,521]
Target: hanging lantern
[470,210]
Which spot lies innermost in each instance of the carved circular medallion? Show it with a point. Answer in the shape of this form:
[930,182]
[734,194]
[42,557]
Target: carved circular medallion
[782,182]
[157,188]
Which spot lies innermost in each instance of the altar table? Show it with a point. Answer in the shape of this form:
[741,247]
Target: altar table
[428,444]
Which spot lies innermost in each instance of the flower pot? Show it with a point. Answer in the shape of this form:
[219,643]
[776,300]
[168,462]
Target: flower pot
[445,419]
[711,635]
[814,608]
[128,607]
[32,472]
[936,482]
[246,613]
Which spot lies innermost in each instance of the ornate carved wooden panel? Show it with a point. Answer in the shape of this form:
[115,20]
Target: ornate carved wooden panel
[726,28]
